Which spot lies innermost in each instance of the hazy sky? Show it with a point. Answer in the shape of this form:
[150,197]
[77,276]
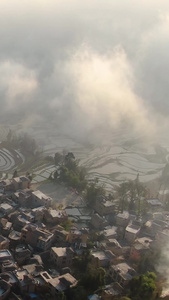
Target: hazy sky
[85,65]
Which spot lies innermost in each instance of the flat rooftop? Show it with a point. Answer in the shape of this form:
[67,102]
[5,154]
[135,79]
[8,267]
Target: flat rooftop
[101,255]
[132,228]
[124,215]
[20,274]
[5,253]
[154,202]
[40,195]
[125,270]
[59,251]
[5,206]
[110,231]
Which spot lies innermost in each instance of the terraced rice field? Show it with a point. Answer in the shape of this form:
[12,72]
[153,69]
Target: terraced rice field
[116,159]
[112,160]
[10,159]
[112,167]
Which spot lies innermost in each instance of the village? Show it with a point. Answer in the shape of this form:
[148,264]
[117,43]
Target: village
[44,249]
[84,150]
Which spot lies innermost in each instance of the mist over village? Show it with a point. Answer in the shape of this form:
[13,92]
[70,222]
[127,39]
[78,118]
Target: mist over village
[84,150]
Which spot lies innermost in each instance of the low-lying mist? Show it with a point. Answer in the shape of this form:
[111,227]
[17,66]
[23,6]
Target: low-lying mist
[85,69]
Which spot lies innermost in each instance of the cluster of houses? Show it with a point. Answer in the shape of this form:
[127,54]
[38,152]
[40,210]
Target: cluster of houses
[34,254]
[126,240]
[37,252]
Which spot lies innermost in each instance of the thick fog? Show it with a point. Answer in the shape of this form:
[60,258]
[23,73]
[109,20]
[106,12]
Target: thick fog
[87,67]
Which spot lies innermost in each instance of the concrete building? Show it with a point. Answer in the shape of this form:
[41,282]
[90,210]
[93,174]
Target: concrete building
[154,205]
[23,198]
[57,284]
[20,222]
[22,254]
[112,292]
[61,257]
[61,284]
[5,227]
[40,199]
[38,213]
[10,278]
[102,258]
[77,236]
[103,206]
[37,237]
[54,216]
[110,232]
[114,246]
[122,273]
[7,262]
[4,289]
[131,232]
[4,242]
[122,219]
[60,234]
[14,238]
[98,222]
[25,280]
[140,247]
[6,185]
[6,208]
[21,183]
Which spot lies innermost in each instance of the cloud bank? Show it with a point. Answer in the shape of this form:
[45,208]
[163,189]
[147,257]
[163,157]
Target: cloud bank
[85,67]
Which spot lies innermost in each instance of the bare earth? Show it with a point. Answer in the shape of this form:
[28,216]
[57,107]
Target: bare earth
[61,195]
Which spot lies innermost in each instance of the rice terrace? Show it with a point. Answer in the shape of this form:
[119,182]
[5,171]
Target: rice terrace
[20,152]
[10,159]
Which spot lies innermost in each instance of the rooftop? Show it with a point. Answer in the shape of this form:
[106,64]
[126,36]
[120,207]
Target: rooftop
[101,255]
[17,179]
[5,206]
[24,178]
[124,270]
[108,203]
[21,273]
[5,254]
[62,282]
[133,228]
[124,215]
[56,213]
[73,211]
[154,202]
[38,231]
[40,195]
[8,277]
[114,243]
[145,241]
[59,251]
[110,231]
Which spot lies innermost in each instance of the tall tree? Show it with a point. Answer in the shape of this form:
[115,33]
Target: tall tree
[130,195]
[122,190]
[58,158]
[93,279]
[143,287]
[15,174]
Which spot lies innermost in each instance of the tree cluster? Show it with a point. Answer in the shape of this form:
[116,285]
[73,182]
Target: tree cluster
[93,191]
[70,171]
[91,278]
[131,194]
[143,287]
